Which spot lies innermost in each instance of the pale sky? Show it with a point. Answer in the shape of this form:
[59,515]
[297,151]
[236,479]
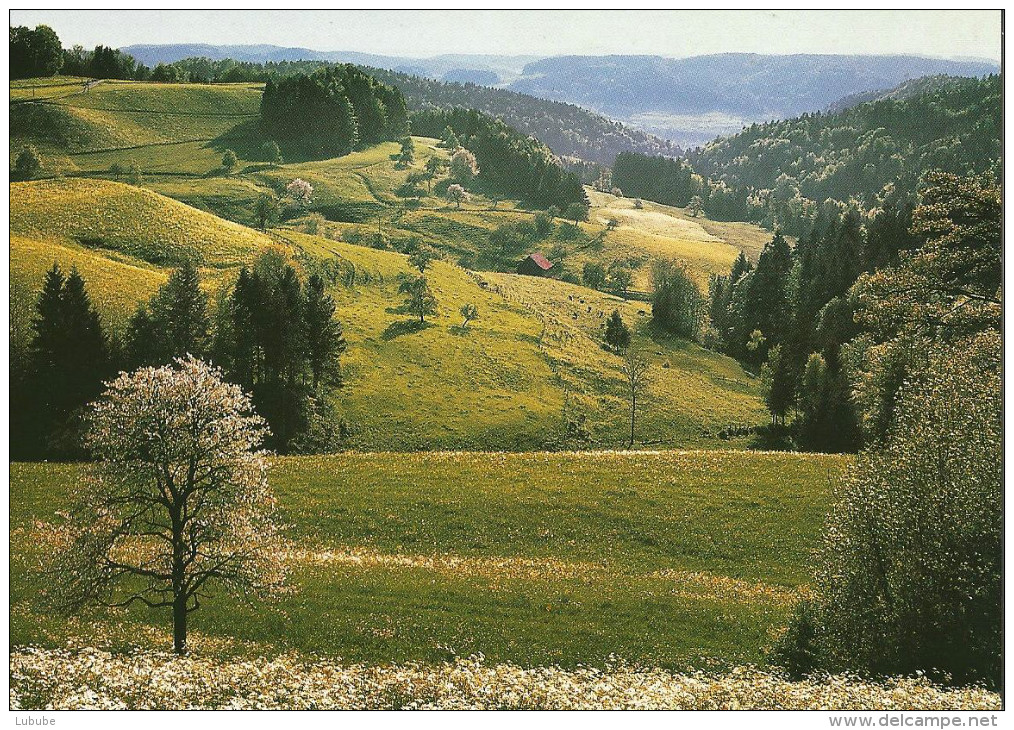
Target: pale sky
[422,33]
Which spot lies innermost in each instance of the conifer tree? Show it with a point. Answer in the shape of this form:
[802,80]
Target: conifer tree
[766,303]
[617,333]
[174,323]
[68,358]
[325,340]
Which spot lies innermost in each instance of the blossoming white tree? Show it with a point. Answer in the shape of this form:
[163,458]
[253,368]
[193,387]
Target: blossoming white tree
[178,501]
[463,165]
[300,190]
[458,194]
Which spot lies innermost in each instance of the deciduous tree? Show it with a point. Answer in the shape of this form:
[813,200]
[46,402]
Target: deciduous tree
[635,376]
[419,299]
[458,194]
[463,166]
[178,501]
[469,312]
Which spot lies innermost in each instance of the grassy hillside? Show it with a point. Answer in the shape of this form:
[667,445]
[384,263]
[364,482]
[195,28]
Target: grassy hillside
[125,121]
[436,386]
[692,392]
[512,380]
[680,560]
[129,220]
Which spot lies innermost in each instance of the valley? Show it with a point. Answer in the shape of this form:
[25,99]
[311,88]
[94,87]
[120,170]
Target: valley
[347,380]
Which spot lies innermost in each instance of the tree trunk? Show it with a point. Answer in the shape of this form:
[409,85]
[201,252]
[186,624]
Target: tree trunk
[179,581]
[180,624]
[633,406]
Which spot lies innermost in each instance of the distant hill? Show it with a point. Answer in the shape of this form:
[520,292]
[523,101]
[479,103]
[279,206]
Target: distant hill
[455,65]
[904,90]
[471,76]
[719,94]
[567,129]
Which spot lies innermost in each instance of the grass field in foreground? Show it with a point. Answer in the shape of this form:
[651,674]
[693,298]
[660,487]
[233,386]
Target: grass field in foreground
[676,560]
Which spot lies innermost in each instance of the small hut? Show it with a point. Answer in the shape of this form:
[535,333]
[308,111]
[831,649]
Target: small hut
[535,265]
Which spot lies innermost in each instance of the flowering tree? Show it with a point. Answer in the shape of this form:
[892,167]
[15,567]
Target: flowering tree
[458,194]
[178,500]
[463,165]
[300,190]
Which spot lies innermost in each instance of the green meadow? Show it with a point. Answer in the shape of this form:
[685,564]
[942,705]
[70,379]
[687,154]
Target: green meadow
[683,560]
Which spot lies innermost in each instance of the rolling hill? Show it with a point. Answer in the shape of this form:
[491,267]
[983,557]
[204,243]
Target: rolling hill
[156,125]
[131,221]
[511,380]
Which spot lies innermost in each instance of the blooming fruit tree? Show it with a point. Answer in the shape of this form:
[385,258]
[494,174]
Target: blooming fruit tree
[300,190]
[177,502]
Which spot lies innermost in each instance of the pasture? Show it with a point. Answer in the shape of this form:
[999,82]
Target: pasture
[175,134]
[677,560]
[512,379]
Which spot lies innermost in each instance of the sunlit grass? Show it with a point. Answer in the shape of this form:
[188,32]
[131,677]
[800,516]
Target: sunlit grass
[131,220]
[680,560]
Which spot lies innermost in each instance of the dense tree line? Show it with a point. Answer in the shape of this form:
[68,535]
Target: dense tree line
[795,313]
[793,305]
[510,164]
[200,70]
[332,110]
[909,573]
[34,52]
[779,173]
[661,179]
[39,52]
[103,63]
[271,333]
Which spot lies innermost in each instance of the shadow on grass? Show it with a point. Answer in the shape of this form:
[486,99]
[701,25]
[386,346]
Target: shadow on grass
[404,327]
